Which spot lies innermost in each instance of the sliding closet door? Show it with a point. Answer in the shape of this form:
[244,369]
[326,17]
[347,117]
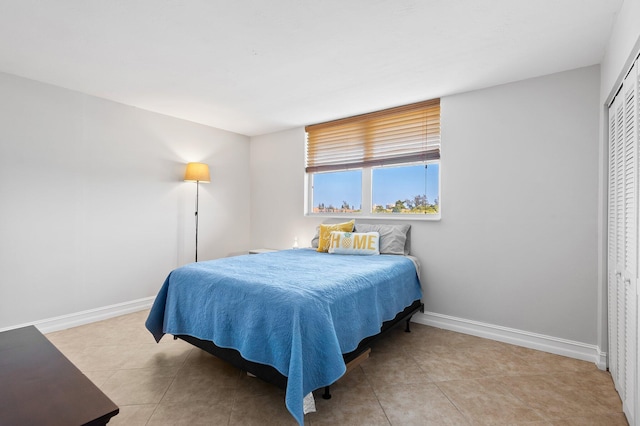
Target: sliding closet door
[615,115]
[637,281]
[630,271]
[617,349]
[623,226]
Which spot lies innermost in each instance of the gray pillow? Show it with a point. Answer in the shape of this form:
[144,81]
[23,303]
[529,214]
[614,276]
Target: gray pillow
[394,239]
[316,239]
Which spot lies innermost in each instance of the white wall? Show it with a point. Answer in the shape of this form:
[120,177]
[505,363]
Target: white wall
[517,243]
[277,190]
[93,208]
[625,35]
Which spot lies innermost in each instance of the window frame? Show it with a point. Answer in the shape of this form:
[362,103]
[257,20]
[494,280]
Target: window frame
[366,211]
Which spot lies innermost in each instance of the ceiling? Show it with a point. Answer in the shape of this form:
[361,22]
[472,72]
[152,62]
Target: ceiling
[255,67]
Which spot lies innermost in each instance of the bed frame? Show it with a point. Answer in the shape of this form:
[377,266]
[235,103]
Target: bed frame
[271,375]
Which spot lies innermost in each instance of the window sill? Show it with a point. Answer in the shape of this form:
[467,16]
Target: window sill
[380,216]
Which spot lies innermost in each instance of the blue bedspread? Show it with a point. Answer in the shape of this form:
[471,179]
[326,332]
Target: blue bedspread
[295,310]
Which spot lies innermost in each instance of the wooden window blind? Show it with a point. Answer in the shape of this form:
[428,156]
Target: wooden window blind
[404,134]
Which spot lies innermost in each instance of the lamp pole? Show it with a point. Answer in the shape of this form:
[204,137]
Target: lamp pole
[197,172]
[197,198]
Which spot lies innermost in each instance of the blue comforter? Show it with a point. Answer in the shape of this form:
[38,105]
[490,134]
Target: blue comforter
[295,310]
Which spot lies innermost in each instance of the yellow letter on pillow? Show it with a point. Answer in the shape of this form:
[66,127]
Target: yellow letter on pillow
[335,240]
[359,241]
[370,241]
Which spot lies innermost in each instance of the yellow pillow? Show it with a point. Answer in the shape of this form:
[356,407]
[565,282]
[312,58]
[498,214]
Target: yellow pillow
[324,236]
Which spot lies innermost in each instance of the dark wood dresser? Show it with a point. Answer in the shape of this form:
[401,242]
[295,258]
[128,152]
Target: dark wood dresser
[40,386]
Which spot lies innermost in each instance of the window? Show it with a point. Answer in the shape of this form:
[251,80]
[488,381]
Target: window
[412,189]
[382,163]
[337,192]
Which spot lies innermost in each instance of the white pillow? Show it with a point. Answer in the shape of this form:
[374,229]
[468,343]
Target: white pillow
[360,243]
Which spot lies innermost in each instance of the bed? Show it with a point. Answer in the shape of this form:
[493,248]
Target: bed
[293,317]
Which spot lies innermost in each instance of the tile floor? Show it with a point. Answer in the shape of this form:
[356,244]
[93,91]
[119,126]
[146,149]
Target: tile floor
[426,377]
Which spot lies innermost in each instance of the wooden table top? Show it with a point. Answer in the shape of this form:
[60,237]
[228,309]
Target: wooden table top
[40,386]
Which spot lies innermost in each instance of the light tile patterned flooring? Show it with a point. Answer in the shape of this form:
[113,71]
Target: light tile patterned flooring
[426,377]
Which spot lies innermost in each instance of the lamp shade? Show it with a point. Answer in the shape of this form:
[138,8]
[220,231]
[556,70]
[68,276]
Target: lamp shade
[197,172]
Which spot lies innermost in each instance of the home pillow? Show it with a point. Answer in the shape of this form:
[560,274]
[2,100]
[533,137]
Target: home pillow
[393,238]
[324,236]
[364,243]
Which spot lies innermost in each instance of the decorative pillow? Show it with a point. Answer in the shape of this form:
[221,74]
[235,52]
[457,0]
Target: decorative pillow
[325,233]
[365,243]
[393,238]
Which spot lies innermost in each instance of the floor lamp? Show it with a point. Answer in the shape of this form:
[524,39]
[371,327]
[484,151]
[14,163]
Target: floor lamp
[197,172]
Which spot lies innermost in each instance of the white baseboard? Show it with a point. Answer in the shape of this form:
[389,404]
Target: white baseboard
[554,345]
[513,336]
[85,317]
